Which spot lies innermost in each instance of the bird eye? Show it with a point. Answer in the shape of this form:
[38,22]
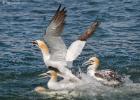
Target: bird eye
[49,74]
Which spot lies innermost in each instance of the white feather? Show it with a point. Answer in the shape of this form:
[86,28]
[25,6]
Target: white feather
[74,50]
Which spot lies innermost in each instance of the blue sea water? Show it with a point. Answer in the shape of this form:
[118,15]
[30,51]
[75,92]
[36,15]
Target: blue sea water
[116,41]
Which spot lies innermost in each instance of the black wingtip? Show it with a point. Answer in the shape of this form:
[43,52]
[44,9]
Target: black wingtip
[90,31]
[61,10]
[59,7]
[97,21]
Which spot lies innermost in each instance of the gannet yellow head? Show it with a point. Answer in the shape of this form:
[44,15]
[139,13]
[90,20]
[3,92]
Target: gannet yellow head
[42,45]
[52,74]
[93,61]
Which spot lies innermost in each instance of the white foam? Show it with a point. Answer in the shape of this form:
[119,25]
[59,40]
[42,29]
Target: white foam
[92,88]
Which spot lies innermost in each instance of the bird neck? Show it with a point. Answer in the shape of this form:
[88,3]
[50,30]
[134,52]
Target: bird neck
[45,53]
[53,78]
[44,49]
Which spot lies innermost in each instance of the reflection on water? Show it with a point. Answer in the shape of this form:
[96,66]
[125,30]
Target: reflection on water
[116,43]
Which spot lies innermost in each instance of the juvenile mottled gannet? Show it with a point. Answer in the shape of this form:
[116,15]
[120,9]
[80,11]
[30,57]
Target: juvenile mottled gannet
[53,48]
[107,77]
[54,84]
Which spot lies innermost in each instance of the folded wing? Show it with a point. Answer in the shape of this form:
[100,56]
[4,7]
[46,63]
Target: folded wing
[108,75]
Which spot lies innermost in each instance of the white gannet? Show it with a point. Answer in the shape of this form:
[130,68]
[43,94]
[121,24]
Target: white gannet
[54,84]
[65,72]
[107,77]
[53,48]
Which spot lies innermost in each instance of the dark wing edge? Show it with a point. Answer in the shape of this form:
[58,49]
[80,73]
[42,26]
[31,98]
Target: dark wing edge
[90,31]
[56,25]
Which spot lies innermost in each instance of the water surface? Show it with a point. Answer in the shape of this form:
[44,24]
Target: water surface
[116,42]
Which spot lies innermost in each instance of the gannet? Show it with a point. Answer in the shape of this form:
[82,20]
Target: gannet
[65,72]
[107,77]
[53,48]
[54,84]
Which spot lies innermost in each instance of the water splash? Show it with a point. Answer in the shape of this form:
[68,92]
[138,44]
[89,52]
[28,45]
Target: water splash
[92,89]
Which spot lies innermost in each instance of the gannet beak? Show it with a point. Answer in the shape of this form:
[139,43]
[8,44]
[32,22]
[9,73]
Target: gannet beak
[48,74]
[34,42]
[43,74]
[86,63]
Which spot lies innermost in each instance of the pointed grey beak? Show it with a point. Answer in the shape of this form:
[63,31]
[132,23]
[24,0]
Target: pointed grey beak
[43,74]
[34,42]
[86,63]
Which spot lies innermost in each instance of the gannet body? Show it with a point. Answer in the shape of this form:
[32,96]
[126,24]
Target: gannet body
[53,48]
[107,77]
[53,84]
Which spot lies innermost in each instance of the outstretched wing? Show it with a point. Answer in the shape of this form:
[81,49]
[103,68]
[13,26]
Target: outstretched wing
[56,25]
[77,46]
[56,45]
[52,36]
[90,31]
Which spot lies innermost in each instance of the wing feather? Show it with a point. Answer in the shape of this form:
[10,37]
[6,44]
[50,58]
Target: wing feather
[56,25]
[77,46]
[53,37]
[90,31]
[108,75]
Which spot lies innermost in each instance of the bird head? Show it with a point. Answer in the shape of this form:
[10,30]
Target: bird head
[41,44]
[92,61]
[52,74]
